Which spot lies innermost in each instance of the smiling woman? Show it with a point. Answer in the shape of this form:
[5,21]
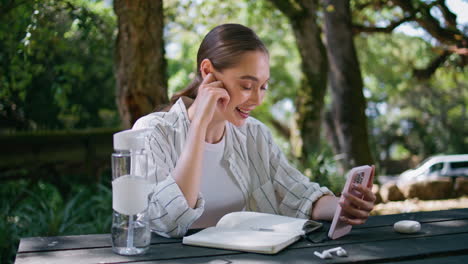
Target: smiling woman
[208,157]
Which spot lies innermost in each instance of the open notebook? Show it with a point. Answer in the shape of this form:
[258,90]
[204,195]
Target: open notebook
[253,232]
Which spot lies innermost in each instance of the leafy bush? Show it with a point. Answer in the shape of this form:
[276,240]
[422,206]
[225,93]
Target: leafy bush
[56,65]
[39,209]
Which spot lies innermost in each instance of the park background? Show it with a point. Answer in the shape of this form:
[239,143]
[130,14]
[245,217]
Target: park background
[352,82]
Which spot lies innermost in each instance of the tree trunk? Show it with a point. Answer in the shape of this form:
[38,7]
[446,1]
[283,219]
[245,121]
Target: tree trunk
[140,66]
[346,85]
[310,97]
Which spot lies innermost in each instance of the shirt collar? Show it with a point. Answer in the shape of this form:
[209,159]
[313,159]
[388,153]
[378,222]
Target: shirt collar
[181,105]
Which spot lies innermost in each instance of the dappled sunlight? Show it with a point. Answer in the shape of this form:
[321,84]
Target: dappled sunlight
[450,224]
[416,205]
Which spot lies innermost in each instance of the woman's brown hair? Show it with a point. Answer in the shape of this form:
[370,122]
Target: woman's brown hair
[223,46]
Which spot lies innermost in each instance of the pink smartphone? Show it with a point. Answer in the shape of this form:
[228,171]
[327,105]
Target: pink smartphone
[363,175]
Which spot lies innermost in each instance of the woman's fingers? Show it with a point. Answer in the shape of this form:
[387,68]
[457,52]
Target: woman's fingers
[215,90]
[357,221]
[209,78]
[223,98]
[367,192]
[212,95]
[358,203]
[215,84]
[353,211]
[357,209]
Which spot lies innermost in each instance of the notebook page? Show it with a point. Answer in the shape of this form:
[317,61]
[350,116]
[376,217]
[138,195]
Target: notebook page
[255,221]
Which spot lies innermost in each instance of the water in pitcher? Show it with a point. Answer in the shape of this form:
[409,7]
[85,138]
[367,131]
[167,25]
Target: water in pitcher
[140,234]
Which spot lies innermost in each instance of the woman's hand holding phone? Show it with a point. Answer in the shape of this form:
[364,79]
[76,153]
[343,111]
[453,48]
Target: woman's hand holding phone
[358,208]
[211,95]
[356,203]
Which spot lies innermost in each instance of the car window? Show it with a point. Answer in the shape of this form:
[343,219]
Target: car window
[459,165]
[436,167]
[423,162]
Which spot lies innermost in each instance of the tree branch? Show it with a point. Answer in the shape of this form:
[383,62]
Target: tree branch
[423,17]
[426,73]
[459,51]
[388,29]
[289,8]
[374,3]
[281,128]
[449,17]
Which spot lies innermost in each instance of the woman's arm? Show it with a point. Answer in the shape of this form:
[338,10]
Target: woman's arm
[187,173]
[324,208]
[170,214]
[188,170]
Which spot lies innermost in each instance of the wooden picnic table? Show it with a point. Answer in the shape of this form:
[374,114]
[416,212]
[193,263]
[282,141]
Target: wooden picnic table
[443,239]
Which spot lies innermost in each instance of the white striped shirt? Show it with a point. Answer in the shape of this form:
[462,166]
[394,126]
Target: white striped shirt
[267,181]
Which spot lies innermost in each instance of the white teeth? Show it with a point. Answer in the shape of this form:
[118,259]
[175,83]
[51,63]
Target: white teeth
[245,112]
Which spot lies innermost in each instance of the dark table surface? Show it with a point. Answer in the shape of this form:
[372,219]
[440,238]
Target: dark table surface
[443,239]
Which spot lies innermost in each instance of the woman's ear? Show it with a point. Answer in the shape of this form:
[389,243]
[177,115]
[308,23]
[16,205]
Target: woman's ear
[205,67]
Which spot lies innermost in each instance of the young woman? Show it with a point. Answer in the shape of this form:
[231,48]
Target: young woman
[208,157]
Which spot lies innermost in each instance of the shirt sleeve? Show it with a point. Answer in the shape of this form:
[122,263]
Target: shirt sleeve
[169,212]
[295,192]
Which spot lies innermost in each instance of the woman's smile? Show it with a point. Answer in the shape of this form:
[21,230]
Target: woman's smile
[243,112]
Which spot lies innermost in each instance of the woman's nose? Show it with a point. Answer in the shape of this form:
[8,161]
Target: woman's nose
[256,97]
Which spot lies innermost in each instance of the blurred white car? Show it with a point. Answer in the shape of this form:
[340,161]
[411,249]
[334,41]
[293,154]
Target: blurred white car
[436,168]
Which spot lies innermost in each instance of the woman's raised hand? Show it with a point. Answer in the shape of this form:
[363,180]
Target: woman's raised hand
[211,96]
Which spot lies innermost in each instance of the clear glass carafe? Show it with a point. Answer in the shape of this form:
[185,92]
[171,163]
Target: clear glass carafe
[131,234]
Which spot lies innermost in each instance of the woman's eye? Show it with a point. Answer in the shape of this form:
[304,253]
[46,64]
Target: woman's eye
[265,87]
[246,87]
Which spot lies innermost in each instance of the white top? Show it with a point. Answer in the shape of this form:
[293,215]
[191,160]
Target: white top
[221,193]
[267,182]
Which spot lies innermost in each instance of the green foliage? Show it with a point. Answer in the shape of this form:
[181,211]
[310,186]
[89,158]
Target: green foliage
[407,115]
[364,13]
[322,168]
[39,209]
[56,68]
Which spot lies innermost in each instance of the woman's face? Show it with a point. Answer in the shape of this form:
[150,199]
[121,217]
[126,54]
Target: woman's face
[246,84]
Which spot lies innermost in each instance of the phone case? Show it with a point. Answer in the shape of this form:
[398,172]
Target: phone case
[362,175]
